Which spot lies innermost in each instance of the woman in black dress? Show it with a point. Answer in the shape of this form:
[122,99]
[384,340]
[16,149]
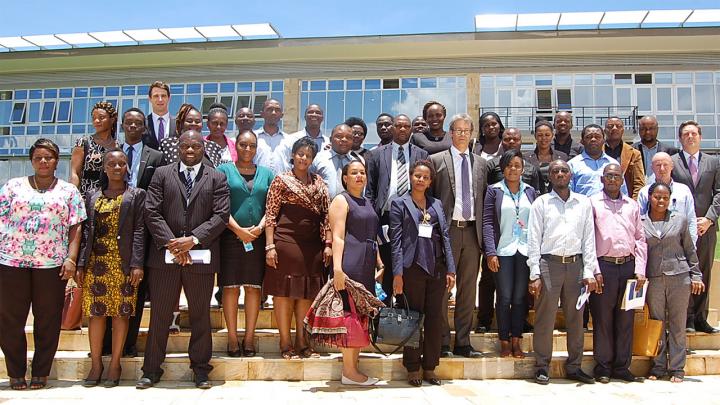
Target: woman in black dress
[354,226]
[544,154]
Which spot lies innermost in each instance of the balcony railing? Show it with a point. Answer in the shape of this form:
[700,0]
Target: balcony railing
[525,118]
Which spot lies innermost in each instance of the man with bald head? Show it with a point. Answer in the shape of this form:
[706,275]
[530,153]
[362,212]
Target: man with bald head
[649,145]
[681,198]
[630,159]
[187,208]
[328,163]
[622,255]
[388,168]
[563,139]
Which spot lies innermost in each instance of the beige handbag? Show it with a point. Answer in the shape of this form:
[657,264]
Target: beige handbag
[646,335]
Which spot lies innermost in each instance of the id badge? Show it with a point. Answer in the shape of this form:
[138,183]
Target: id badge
[248,246]
[425,231]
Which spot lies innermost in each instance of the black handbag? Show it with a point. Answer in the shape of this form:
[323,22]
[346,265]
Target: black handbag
[397,327]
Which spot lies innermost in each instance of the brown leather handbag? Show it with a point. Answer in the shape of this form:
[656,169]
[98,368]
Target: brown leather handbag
[72,309]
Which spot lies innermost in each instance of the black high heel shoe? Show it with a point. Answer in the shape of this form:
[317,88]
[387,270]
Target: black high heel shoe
[93,383]
[110,383]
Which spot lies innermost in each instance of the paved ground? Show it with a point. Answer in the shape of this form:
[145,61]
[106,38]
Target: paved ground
[696,390]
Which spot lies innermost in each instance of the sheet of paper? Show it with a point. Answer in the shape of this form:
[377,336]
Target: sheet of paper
[200,256]
[583,298]
[633,299]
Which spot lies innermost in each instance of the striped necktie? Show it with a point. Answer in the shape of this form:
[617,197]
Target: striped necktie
[402,173]
[188,181]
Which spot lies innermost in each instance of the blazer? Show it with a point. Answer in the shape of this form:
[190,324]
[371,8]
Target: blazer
[491,216]
[532,158]
[404,229]
[707,191]
[632,168]
[149,138]
[661,147]
[150,159]
[170,213]
[379,167]
[131,230]
[575,148]
[671,252]
[444,185]
[530,174]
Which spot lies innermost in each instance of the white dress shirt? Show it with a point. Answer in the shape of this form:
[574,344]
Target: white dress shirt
[697,159]
[193,174]
[561,228]
[166,124]
[457,169]
[392,190]
[267,144]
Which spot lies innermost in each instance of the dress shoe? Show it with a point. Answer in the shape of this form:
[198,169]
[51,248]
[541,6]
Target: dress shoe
[482,329]
[690,330]
[541,377]
[581,377]
[148,380]
[602,379]
[370,381]
[414,378]
[628,377]
[201,381]
[467,352]
[111,383]
[445,352]
[431,378]
[130,352]
[705,327]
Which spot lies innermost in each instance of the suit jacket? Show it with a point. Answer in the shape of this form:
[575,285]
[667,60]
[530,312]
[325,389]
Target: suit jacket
[150,138]
[661,147]
[492,214]
[707,191]
[671,251]
[632,169]
[575,148]
[169,213]
[150,159]
[379,166]
[131,230]
[404,229]
[443,186]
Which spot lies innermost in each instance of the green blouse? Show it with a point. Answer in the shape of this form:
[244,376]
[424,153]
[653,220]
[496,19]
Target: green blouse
[247,207]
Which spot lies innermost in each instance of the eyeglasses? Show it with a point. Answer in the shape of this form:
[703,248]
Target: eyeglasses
[611,176]
[247,146]
[195,146]
[462,131]
[560,170]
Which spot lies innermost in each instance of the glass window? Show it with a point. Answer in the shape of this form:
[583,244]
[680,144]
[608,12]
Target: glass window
[258,103]
[207,101]
[583,96]
[335,110]
[81,92]
[210,88]
[278,85]
[48,112]
[487,96]
[144,104]
[17,130]
[391,102]
[34,112]
[35,94]
[703,77]
[447,82]
[175,89]
[504,98]
[227,102]
[262,86]
[63,129]
[33,130]
[66,93]
[683,78]
[372,84]
[524,98]
[6,108]
[603,79]
[126,104]
[244,86]
[48,129]
[409,83]
[97,92]
[564,99]
[227,87]
[563,80]
[428,83]
[623,97]
[544,99]
[543,80]
[112,91]
[503,81]
[604,96]
[336,85]
[704,99]
[50,93]
[318,85]
[242,102]
[371,106]
[21,94]
[128,90]
[143,90]
[644,99]
[391,84]
[684,98]
[663,98]
[583,79]
[193,89]
[663,78]
[623,78]
[79,111]
[524,80]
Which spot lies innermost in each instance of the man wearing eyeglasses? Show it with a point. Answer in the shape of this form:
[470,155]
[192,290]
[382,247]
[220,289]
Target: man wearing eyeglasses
[561,257]
[460,184]
[622,255]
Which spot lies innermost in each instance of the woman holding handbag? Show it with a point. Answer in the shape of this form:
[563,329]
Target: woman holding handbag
[673,274]
[40,234]
[423,267]
[354,226]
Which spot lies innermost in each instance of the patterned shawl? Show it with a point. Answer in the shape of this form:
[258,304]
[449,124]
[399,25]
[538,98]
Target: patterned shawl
[324,321]
[308,194]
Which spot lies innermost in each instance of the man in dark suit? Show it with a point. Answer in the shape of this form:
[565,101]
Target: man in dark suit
[160,124]
[187,208]
[389,178]
[649,145]
[700,172]
[460,184]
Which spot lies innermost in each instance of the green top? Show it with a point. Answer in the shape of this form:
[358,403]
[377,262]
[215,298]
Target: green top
[247,207]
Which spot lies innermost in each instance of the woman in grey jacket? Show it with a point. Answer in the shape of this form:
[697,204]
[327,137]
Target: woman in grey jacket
[673,274]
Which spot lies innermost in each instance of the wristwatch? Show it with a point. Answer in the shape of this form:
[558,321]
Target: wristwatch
[195,240]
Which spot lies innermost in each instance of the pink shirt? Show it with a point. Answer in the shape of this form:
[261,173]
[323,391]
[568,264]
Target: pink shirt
[230,145]
[618,229]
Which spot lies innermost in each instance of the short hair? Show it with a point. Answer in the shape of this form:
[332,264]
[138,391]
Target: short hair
[481,136]
[159,85]
[304,142]
[352,121]
[461,117]
[184,110]
[249,131]
[336,127]
[384,114]
[509,156]
[104,181]
[112,150]
[47,144]
[614,117]
[686,123]
[346,168]
[133,109]
[429,104]
[218,108]
[543,123]
[656,185]
[423,162]
[109,108]
[591,126]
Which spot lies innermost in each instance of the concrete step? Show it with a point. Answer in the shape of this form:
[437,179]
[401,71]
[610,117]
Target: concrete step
[267,341]
[75,365]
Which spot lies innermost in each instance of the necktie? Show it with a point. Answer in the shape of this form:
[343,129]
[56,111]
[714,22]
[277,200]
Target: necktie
[188,181]
[465,181]
[693,170]
[402,174]
[161,129]
[130,153]
[340,162]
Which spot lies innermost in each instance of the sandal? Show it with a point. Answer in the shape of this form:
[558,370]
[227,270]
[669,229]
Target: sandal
[309,353]
[249,352]
[289,354]
[18,384]
[677,379]
[37,383]
[414,378]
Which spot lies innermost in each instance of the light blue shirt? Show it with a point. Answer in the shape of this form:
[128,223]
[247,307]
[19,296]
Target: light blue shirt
[134,169]
[328,164]
[267,145]
[681,200]
[586,173]
[648,154]
[284,150]
[510,242]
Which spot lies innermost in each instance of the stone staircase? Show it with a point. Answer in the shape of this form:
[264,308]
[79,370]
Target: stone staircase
[72,363]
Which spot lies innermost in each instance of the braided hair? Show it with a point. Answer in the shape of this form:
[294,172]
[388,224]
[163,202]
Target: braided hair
[111,111]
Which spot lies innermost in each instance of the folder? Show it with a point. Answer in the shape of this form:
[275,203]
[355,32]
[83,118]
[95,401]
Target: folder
[633,299]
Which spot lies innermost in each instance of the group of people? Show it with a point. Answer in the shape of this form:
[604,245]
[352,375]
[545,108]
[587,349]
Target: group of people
[425,212]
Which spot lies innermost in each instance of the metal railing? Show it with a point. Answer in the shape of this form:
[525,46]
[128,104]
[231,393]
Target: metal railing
[525,118]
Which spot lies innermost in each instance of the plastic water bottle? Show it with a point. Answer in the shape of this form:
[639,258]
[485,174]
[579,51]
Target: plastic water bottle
[379,293]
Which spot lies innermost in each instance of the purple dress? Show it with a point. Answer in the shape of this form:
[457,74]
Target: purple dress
[360,252]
